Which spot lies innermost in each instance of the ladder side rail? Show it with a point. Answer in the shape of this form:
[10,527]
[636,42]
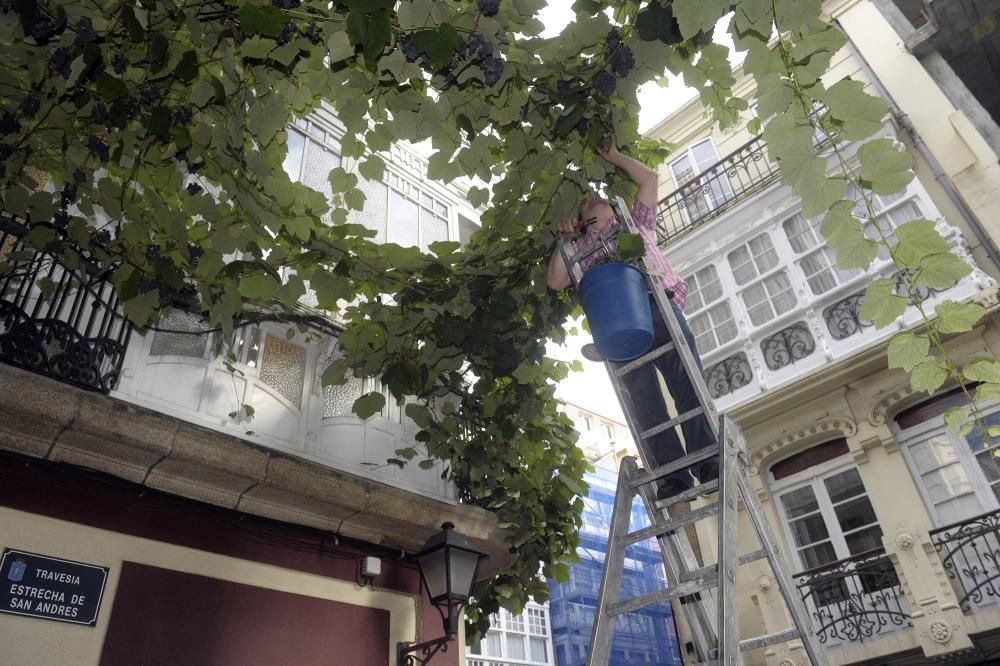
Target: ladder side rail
[678,556]
[796,607]
[728,600]
[602,633]
[676,335]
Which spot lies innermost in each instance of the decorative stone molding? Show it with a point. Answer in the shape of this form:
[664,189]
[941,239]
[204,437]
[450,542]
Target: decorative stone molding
[877,414]
[829,425]
[764,583]
[905,540]
[939,632]
[786,662]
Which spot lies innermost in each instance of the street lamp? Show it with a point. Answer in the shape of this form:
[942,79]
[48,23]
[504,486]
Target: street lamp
[448,564]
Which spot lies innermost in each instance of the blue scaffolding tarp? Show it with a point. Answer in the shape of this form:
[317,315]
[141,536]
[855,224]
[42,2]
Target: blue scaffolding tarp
[647,636]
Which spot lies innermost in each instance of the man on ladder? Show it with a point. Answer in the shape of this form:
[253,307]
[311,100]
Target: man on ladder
[668,464]
[596,217]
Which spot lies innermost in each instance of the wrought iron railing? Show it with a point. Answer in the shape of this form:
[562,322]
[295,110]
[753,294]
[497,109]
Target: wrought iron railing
[65,324]
[970,553]
[707,195]
[854,599]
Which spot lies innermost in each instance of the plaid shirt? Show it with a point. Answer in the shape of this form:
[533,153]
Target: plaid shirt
[645,222]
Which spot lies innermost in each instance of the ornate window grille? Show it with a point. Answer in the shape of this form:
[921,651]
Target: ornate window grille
[970,554]
[787,346]
[843,318]
[728,375]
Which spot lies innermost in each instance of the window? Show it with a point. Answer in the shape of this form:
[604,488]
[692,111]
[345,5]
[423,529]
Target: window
[312,153]
[891,211]
[415,216]
[466,228]
[767,293]
[708,189]
[609,434]
[825,506]
[586,423]
[521,638]
[958,475]
[708,314]
[818,263]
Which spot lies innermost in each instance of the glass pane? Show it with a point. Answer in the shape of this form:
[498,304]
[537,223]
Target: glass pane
[800,234]
[704,336]
[319,163]
[373,215]
[809,529]
[180,344]
[975,439]
[493,644]
[515,646]
[818,555]
[958,508]
[743,269]
[402,220]
[683,171]
[432,229]
[780,289]
[799,502]
[763,252]
[844,485]
[855,514]
[539,651]
[933,453]
[339,400]
[704,154]
[990,465]
[293,160]
[284,368]
[864,540]
[947,482]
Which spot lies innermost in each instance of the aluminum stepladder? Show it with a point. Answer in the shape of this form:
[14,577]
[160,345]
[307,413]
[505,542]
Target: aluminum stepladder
[714,624]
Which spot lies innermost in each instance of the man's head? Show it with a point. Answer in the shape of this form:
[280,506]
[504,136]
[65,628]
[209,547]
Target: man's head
[594,206]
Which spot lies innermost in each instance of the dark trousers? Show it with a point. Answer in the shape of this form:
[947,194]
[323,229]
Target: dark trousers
[648,403]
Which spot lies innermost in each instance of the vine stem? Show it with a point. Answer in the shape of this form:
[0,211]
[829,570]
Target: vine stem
[902,269]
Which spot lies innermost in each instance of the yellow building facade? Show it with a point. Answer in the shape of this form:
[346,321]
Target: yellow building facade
[889,520]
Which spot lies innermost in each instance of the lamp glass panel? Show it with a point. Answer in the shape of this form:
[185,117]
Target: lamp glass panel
[435,573]
[463,571]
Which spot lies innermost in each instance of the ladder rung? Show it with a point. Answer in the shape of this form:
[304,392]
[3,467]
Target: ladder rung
[675,466]
[713,569]
[644,359]
[668,594]
[782,636]
[666,425]
[692,516]
[688,495]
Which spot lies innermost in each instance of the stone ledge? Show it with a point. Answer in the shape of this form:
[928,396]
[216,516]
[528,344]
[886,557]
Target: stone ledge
[43,418]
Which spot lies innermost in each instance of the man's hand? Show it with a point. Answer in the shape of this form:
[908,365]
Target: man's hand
[608,149]
[569,226]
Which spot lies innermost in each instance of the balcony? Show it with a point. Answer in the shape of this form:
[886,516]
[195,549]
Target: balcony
[854,599]
[970,554]
[739,175]
[158,407]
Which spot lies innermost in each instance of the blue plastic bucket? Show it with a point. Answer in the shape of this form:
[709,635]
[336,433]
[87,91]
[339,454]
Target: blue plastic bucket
[617,305]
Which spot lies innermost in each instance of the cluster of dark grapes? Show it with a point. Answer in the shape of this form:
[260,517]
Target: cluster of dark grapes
[604,82]
[67,196]
[149,95]
[489,7]
[9,124]
[182,114]
[492,69]
[30,105]
[614,39]
[622,61]
[61,59]
[98,148]
[182,158]
[186,295]
[193,189]
[42,28]
[289,30]
[119,63]
[313,32]
[564,88]
[84,32]
[286,4]
[409,48]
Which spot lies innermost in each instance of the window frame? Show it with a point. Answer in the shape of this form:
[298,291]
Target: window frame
[708,307]
[814,477]
[417,194]
[708,199]
[760,278]
[908,438]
